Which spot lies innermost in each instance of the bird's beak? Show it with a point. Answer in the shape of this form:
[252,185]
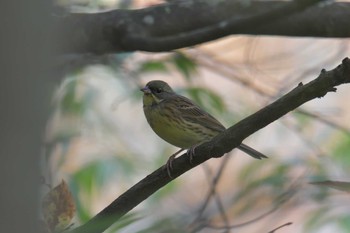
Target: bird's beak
[146,90]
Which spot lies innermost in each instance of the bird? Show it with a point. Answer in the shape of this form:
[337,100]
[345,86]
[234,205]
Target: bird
[181,122]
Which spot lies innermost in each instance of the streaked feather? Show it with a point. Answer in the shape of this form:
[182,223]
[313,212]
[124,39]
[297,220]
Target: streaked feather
[191,112]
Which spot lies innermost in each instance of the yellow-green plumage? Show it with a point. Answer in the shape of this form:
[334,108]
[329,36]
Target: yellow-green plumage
[178,120]
[178,131]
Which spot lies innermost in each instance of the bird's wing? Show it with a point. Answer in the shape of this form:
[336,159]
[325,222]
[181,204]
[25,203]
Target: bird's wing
[193,113]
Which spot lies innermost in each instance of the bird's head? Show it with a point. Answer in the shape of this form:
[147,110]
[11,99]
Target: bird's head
[155,92]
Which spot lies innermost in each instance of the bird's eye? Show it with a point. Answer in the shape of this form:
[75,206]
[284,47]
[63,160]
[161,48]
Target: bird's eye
[158,90]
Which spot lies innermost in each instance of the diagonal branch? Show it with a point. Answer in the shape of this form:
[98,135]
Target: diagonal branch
[218,146]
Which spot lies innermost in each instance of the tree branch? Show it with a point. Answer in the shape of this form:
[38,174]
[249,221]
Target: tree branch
[217,30]
[181,24]
[218,146]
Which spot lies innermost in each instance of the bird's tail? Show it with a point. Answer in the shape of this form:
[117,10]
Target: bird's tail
[250,151]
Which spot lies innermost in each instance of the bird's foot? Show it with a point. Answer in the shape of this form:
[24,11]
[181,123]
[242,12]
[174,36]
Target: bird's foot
[169,163]
[191,153]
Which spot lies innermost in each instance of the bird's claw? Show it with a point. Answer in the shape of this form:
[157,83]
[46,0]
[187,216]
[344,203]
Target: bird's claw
[169,163]
[191,153]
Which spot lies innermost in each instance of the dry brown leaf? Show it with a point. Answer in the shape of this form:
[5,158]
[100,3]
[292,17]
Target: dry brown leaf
[58,207]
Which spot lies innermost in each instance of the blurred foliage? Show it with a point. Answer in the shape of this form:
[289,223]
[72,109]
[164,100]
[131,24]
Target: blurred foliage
[164,225]
[254,185]
[343,222]
[341,152]
[153,66]
[207,99]
[91,179]
[254,178]
[317,218]
[186,65]
[302,119]
[71,102]
[125,221]
[257,186]
[322,218]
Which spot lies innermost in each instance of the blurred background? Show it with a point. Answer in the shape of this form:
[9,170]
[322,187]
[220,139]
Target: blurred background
[99,142]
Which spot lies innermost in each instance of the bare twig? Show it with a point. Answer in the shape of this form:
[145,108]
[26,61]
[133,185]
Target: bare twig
[212,192]
[324,120]
[226,70]
[284,225]
[281,199]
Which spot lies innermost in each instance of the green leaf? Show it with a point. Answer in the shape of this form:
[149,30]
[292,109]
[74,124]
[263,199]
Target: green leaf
[187,66]
[85,177]
[168,225]
[250,171]
[70,103]
[93,177]
[303,120]
[322,217]
[276,180]
[165,192]
[97,173]
[153,66]
[206,99]
[125,221]
[317,219]
[344,223]
[342,151]
[81,210]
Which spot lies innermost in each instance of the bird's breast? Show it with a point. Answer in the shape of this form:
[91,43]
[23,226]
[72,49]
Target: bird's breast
[169,125]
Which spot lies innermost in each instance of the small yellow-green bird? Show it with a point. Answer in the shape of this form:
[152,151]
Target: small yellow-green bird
[179,121]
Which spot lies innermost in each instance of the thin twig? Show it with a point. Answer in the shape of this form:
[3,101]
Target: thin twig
[212,192]
[286,224]
[282,199]
[227,71]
